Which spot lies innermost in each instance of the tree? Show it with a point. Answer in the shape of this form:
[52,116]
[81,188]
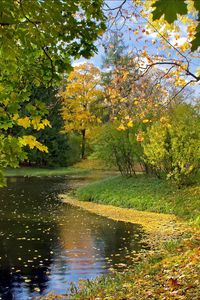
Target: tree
[166,36]
[114,50]
[80,100]
[132,98]
[38,41]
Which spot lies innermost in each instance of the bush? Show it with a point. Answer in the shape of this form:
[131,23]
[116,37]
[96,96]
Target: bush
[118,148]
[172,145]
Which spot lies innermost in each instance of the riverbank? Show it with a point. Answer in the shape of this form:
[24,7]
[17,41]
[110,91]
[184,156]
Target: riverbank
[87,167]
[170,271]
[33,171]
[145,194]
[159,227]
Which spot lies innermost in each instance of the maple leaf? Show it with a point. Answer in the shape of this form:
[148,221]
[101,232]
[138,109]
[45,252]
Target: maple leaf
[169,11]
[196,40]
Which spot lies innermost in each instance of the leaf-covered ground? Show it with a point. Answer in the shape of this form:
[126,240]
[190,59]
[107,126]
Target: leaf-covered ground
[174,274]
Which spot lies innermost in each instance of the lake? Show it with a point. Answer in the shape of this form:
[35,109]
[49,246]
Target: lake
[46,244]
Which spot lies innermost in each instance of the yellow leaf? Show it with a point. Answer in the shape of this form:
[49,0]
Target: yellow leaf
[46,123]
[121,127]
[130,124]
[29,140]
[24,122]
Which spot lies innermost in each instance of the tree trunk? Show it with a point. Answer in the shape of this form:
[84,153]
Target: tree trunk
[83,144]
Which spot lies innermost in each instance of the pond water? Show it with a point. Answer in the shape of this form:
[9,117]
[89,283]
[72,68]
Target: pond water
[45,244]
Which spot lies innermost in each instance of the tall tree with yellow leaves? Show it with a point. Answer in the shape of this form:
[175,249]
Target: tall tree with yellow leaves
[80,99]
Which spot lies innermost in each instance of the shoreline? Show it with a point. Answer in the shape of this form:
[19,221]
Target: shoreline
[159,227]
[172,242]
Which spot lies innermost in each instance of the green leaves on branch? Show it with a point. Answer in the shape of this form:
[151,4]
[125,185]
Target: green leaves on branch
[169,9]
[10,153]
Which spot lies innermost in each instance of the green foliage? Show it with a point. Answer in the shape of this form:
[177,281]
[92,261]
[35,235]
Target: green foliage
[144,193]
[118,148]
[172,145]
[115,55]
[10,151]
[74,148]
[38,41]
[114,51]
[170,12]
[196,40]
[57,143]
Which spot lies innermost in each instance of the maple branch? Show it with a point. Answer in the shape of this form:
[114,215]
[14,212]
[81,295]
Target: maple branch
[51,62]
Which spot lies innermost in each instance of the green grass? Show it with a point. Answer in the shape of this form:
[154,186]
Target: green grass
[31,171]
[144,193]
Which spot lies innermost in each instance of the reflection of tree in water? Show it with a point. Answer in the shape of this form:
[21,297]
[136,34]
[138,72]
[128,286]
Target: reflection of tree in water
[28,235]
[99,237]
[25,259]
[119,238]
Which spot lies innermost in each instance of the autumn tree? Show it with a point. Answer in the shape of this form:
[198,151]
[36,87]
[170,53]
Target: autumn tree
[38,41]
[80,100]
[165,37]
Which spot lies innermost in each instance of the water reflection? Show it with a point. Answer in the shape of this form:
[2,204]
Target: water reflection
[45,245]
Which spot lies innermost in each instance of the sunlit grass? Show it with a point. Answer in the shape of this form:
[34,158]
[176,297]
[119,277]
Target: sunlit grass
[144,193]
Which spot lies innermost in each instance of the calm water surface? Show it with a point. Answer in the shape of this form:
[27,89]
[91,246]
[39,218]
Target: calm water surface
[45,244]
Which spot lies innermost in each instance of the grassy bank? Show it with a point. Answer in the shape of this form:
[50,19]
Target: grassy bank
[169,272]
[144,193]
[31,171]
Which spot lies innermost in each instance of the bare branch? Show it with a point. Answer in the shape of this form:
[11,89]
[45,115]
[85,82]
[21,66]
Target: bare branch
[187,71]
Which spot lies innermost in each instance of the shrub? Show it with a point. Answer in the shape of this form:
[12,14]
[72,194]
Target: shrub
[118,148]
[172,145]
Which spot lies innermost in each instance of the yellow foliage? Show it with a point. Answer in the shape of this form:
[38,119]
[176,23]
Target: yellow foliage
[46,123]
[39,124]
[130,124]
[29,140]
[24,122]
[80,97]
